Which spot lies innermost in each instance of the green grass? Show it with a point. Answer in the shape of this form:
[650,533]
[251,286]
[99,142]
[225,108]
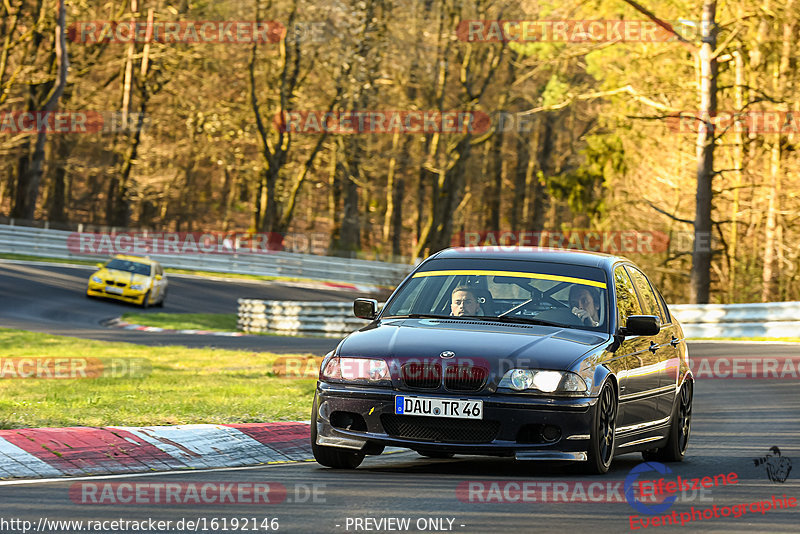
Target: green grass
[212,274]
[184,386]
[44,259]
[223,322]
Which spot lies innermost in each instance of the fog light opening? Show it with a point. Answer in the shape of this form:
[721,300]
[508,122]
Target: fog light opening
[348,421]
[551,433]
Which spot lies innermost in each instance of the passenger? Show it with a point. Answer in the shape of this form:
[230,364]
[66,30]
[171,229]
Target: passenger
[585,303]
[464,301]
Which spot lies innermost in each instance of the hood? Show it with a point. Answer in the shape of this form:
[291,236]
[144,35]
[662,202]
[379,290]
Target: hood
[499,346]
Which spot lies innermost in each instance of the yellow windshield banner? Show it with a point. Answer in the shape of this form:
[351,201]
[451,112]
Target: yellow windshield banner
[516,274]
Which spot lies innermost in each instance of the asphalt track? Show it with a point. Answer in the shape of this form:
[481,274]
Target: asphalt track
[49,298]
[735,421]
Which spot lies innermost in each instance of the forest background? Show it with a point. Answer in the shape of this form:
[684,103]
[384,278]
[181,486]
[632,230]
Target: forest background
[587,136]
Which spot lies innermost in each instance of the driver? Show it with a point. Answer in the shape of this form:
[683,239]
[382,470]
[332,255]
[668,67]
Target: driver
[464,301]
[585,304]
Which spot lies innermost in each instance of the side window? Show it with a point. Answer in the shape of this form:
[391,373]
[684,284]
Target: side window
[627,303]
[649,299]
[663,305]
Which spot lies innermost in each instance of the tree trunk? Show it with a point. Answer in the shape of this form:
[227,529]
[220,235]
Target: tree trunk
[701,256]
[350,232]
[522,172]
[494,180]
[390,188]
[27,191]
[738,165]
[538,203]
[772,268]
[57,200]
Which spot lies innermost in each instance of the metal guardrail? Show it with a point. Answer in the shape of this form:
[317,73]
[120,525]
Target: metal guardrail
[53,244]
[292,318]
[335,319]
[770,319]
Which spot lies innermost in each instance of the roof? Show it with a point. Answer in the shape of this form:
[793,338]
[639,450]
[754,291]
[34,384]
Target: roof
[551,255]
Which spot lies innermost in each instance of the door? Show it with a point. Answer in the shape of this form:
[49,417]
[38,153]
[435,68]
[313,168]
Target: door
[664,346]
[639,386]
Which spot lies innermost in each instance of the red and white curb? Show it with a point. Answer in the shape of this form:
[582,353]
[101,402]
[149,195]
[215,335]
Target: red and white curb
[119,323]
[80,451]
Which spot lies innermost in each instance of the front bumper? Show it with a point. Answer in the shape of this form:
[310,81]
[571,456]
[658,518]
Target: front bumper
[359,417]
[128,295]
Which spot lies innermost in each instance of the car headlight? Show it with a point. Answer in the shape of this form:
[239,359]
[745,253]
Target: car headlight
[544,381]
[356,370]
[137,287]
[97,279]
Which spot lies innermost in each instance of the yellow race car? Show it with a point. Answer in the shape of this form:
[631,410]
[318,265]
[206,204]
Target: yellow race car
[130,279]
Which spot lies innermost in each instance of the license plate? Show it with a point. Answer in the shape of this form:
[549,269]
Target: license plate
[435,407]
[114,290]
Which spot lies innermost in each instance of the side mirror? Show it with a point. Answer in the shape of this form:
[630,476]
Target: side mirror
[641,325]
[158,277]
[365,308]
[99,265]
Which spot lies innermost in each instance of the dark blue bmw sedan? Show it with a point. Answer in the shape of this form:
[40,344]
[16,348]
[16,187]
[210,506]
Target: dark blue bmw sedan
[529,353]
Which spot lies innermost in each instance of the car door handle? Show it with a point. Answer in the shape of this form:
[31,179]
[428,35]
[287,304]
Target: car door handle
[653,347]
[674,341]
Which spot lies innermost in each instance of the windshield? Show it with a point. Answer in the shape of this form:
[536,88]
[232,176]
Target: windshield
[503,290]
[129,266]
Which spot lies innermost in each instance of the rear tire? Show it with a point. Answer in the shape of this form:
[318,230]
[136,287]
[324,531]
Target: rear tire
[335,457]
[602,436]
[679,429]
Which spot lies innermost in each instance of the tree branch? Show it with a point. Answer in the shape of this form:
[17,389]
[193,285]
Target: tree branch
[667,26]
[671,216]
[600,94]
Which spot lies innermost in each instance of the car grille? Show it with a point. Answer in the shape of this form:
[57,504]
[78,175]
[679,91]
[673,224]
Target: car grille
[464,378]
[120,284]
[422,375]
[439,429]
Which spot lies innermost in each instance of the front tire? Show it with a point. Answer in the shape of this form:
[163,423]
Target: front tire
[679,429]
[602,435]
[335,457]
[145,300]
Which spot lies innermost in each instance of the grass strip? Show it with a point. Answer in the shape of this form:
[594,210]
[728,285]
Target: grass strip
[218,322]
[179,385]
